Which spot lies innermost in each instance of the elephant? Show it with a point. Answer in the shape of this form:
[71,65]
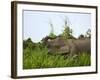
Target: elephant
[70,46]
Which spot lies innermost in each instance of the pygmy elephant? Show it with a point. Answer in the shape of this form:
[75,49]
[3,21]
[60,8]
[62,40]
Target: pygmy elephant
[69,46]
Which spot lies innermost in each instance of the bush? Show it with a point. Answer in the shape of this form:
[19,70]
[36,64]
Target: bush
[39,58]
[28,43]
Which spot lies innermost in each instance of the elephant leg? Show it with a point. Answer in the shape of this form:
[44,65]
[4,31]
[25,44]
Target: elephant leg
[73,52]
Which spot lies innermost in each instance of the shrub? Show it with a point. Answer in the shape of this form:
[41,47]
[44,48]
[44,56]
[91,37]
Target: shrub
[39,58]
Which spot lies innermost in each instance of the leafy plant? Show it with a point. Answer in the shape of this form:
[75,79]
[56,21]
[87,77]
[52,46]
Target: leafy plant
[52,35]
[28,43]
[67,32]
[38,57]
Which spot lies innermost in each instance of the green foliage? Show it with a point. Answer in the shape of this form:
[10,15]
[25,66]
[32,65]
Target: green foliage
[28,43]
[52,35]
[67,32]
[39,58]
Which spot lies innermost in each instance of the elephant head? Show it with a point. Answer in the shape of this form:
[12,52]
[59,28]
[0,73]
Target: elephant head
[57,46]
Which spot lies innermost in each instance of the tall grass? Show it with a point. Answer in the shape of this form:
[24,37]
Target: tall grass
[38,58]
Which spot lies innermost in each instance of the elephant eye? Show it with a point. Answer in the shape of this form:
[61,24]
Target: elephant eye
[49,40]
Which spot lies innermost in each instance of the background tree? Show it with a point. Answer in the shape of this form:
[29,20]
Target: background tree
[67,32]
[52,35]
[88,33]
[28,43]
[81,36]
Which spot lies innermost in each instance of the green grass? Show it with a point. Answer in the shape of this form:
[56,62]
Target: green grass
[38,58]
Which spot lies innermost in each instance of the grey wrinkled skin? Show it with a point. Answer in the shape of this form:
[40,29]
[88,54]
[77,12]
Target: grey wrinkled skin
[70,46]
